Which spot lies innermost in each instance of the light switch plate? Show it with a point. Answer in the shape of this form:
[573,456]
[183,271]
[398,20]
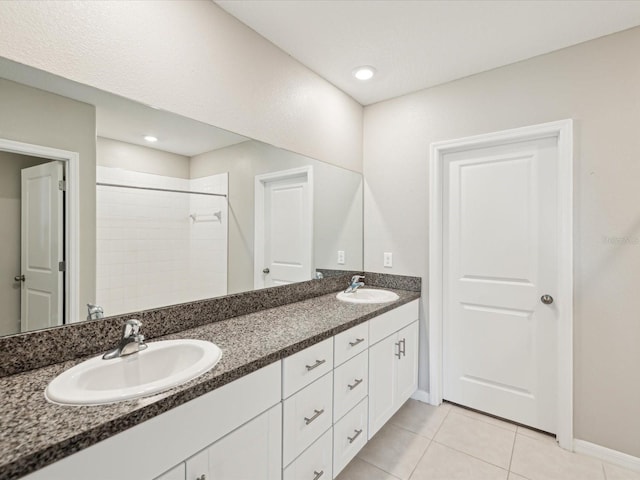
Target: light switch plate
[340,257]
[388,259]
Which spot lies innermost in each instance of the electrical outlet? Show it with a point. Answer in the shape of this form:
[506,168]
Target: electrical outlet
[388,259]
[340,257]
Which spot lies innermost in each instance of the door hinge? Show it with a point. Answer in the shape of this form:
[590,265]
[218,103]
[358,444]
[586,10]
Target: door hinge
[62,266]
[62,185]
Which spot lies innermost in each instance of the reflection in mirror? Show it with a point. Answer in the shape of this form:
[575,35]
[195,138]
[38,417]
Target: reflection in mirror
[199,212]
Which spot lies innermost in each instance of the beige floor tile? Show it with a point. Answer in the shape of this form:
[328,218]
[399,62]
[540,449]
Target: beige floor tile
[444,463]
[361,470]
[485,418]
[542,460]
[477,438]
[527,432]
[421,418]
[515,476]
[613,472]
[395,450]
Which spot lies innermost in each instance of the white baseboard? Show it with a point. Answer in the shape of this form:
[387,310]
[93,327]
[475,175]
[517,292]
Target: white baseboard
[421,396]
[608,455]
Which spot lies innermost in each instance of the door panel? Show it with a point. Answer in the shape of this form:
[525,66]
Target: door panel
[382,382]
[42,246]
[499,258]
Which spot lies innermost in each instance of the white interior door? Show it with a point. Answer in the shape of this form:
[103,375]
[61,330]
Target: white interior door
[42,246]
[499,259]
[284,229]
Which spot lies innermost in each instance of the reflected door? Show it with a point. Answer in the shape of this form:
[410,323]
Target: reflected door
[499,260]
[284,228]
[42,246]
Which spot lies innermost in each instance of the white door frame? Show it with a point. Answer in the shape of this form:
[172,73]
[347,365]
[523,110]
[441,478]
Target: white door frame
[563,130]
[258,242]
[72,214]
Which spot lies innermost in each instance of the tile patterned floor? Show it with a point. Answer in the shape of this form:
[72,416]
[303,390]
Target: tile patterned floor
[422,442]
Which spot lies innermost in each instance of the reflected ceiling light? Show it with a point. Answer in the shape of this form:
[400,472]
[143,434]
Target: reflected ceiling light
[366,72]
[150,138]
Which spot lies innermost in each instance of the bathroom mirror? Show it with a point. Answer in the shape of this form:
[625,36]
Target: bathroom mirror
[94,213]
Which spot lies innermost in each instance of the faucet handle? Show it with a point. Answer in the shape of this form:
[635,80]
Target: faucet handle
[357,278]
[131,328]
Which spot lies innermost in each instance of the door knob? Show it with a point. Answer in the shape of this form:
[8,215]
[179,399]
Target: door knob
[546,299]
[19,278]
[265,270]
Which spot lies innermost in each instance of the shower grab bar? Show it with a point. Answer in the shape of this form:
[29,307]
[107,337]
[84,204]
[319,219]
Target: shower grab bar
[102,184]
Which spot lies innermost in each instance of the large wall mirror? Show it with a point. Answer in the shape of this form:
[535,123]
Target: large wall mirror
[109,206]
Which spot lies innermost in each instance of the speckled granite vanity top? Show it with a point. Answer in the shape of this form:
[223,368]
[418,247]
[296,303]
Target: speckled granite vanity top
[35,433]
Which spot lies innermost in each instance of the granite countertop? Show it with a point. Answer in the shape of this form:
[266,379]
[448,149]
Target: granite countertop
[35,433]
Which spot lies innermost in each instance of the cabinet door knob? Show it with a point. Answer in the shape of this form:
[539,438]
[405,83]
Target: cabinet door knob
[546,299]
[265,271]
[19,278]
[202,477]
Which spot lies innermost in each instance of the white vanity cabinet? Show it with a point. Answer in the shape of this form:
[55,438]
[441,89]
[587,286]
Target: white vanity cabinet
[176,473]
[253,451]
[393,363]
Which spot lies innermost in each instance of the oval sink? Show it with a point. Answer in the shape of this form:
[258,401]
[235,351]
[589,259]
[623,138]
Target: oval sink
[159,367]
[368,295]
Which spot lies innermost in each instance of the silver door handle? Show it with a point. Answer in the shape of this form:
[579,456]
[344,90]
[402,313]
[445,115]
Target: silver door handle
[318,474]
[403,344]
[358,340]
[315,365]
[265,270]
[317,413]
[355,384]
[546,299]
[399,353]
[19,278]
[202,477]
[352,439]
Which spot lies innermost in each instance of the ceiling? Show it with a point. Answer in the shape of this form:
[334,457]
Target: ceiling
[419,44]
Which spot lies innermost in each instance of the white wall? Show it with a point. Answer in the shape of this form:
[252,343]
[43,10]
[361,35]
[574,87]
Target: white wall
[596,84]
[192,58]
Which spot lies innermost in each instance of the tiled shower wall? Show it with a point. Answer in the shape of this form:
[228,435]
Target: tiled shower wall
[159,248]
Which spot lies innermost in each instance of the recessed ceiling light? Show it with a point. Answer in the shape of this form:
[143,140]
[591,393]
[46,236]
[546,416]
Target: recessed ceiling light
[150,138]
[366,72]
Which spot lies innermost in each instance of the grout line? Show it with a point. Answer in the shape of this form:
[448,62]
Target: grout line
[375,466]
[604,471]
[420,459]
[513,448]
[472,456]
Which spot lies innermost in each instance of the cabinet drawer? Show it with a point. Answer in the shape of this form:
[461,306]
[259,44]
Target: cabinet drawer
[350,343]
[349,436]
[384,325]
[307,415]
[315,463]
[304,367]
[350,384]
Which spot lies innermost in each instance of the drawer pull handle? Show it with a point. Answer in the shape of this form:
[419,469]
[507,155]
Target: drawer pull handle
[317,413]
[357,382]
[318,474]
[315,365]
[352,439]
[358,340]
[399,352]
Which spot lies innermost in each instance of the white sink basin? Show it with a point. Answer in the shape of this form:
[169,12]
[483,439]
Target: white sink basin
[161,366]
[368,295]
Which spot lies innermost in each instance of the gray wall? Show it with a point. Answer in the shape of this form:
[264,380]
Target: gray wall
[596,84]
[10,212]
[41,118]
[337,206]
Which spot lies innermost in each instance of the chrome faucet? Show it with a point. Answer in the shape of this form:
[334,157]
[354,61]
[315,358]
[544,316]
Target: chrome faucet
[132,341]
[95,311]
[355,283]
